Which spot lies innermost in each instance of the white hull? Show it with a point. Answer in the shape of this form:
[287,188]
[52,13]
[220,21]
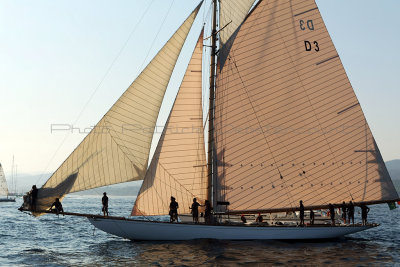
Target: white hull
[146,230]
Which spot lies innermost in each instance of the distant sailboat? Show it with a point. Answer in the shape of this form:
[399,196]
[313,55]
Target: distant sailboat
[4,188]
[284,125]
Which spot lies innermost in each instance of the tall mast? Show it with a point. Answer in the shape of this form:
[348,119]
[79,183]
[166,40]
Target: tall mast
[210,195]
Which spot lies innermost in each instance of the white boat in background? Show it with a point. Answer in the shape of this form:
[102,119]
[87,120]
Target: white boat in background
[284,125]
[4,197]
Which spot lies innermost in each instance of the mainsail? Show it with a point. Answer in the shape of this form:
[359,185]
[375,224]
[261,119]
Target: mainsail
[3,183]
[117,149]
[288,125]
[178,167]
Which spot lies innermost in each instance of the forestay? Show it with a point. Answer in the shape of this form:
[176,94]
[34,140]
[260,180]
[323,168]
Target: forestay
[288,125]
[178,167]
[117,149]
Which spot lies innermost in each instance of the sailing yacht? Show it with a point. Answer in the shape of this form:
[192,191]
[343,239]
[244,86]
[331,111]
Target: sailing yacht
[284,125]
[4,188]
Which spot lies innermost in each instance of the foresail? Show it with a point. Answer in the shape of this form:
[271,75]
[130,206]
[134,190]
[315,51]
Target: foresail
[178,167]
[3,183]
[232,15]
[117,149]
[288,124]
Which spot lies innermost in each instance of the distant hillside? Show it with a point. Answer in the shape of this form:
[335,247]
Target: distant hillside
[125,189]
[25,182]
[393,167]
[393,164]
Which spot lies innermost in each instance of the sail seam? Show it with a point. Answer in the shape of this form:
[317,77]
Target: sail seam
[304,89]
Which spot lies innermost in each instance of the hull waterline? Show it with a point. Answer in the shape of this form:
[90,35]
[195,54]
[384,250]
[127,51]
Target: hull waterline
[146,230]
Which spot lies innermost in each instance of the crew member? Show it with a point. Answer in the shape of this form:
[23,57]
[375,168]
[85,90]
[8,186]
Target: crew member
[104,201]
[57,207]
[173,210]
[195,210]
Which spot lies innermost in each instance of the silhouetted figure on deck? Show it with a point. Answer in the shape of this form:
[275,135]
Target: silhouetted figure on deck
[243,219]
[259,218]
[104,201]
[34,195]
[344,211]
[364,213]
[332,213]
[301,213]
[173,210]
[350,212]
[207,212]
[57,207]
[312,217]
[195,210]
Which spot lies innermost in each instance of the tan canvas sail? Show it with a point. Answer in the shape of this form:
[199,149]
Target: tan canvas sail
[178,167]
[117,149]
[288,124]
[3,183]
[232,15]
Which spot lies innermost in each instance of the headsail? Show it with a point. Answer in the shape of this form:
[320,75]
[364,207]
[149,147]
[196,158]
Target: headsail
[117,149]
[3,183]
[178,167]
[288,124]
[232,15]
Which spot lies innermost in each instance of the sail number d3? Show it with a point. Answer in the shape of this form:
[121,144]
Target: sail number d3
[309,46]
[306,25]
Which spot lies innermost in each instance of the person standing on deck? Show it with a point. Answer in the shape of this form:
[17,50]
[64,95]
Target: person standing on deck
[312,217]
[344,211]
[104,200]
[301,213]
[34,194]
[332,213]
[364,213]
[195,210]
[350,212]
[173,210]
[259,218]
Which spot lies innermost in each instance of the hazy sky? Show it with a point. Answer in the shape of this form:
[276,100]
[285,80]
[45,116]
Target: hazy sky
[55,54]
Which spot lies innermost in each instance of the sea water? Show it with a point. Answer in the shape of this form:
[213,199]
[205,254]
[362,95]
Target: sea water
[52,240]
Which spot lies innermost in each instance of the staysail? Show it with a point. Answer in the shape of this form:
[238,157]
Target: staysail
[232,15]
[117,149]
[178,167]
[288,125]
[3,183]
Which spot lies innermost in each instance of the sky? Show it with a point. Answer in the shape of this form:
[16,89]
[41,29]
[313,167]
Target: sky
[64,63]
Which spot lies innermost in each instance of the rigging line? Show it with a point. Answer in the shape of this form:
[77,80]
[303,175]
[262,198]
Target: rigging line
[122,145]
[98,86]
[259,123]
[175,179]
[319,123]
[159,30]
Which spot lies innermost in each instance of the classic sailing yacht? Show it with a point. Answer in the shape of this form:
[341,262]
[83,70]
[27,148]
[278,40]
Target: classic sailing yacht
[4,188]
[284,125]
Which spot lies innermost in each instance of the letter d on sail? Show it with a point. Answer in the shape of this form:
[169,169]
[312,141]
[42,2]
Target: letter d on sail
[308,45]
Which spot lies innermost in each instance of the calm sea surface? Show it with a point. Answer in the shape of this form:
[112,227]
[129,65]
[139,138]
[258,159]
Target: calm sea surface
[72,241]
